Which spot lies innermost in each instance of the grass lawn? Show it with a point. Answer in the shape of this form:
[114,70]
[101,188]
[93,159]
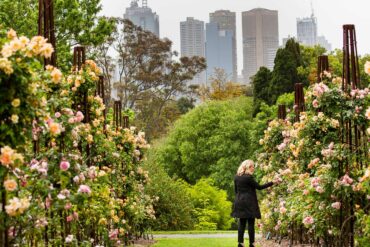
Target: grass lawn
[197,242]
[191,232]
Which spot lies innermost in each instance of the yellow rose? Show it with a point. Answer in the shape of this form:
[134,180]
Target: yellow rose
[10,185]
[16,102]
[56,75]
[14,118]
[11,34]
[367,67]
[102,221]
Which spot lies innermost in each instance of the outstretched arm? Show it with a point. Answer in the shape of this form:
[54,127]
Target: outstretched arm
[260,187]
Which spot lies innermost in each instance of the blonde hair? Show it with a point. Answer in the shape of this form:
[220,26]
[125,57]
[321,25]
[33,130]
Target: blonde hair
[245,167]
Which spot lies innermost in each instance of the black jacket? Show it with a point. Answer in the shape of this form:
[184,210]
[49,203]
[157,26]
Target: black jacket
[246,203]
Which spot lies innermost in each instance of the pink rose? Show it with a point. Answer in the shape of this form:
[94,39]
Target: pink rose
[79,116]
[308,220]
[67,206]
[64,165]
[346,180]
[336,205]
[58,115]
[69,218]
[315,103]
[84,189]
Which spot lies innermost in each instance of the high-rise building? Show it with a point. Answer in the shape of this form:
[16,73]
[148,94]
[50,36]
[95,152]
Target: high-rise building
[226,21]
[260,40]
[307,30]
[323,42]
[219,50]
[143,16]
[192,43]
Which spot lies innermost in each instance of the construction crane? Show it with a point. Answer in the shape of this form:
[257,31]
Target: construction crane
[312,10]
[134,3]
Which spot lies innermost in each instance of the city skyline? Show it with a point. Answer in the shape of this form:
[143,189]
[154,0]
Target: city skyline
[289,11]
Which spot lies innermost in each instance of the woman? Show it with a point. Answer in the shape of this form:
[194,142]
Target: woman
[246,205]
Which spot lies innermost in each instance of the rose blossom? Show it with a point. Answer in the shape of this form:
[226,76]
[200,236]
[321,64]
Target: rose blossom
[58,115]
[84,189]
[67,206]
[367,114]
[315,182]
[346,180]
[64,165]
[69,218]
[319,189]
[367,67]
[79,116]
[308,220]
[10,185]
[336,205]
[315,103]
[69,239]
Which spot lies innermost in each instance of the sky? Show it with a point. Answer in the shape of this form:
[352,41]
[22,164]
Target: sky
[331,15]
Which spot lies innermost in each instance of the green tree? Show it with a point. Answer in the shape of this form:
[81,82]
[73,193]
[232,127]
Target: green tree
[211,208]
[173,208]
[261,93]
[149,76]
[285,73]
[308,71]
[185,104]
[210,140]
[76,23]
[221,87]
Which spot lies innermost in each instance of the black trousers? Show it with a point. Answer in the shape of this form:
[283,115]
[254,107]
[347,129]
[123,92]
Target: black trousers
[241,229]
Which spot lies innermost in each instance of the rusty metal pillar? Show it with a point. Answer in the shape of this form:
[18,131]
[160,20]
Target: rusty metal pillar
[298,100]
[46,27]
[117,114]
[322,65]
[79,57]
[126,122]
[282,112]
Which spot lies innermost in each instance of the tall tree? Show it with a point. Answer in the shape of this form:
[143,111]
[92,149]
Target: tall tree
[285,73]
[221,87]
[149,77]
[76,22]
[261,92]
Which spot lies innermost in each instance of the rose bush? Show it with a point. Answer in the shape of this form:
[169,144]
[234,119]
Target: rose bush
[324,173]
[66,175]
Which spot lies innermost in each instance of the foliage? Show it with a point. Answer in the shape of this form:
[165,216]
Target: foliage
[173,208]
[79,160]
[307,72]
[211,208]
[76,21]
[261,90]
[221,88]
[149,77]
[210,140]
[322,177]
[285,73]
[185,104]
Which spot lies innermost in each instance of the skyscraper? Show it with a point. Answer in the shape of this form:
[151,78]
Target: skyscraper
[323,42]
[226,21]
[307,30]
[260,40]
[143,16]
[192,43]
[219,49]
